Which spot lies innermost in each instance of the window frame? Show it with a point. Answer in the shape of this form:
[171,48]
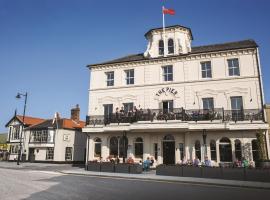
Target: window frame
[97,146]
[110,78]
[138,147]
[232,68]
[50,153]
[170,46]
[68,154]
[130,80]
[213,150]
[207,100]
[161,48]
[206,70]
[166,75]
[198,149]
[128,106]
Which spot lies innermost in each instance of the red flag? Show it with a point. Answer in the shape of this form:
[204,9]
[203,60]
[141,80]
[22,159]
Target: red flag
[168,11]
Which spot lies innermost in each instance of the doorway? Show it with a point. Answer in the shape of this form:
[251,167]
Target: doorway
[168,150]
[167,106]
[31,156]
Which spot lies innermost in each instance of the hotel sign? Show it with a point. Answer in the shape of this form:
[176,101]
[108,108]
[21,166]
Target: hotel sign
[166,91]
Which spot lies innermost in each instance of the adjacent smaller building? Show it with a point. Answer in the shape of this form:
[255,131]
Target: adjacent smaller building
[15,126]
[52,140]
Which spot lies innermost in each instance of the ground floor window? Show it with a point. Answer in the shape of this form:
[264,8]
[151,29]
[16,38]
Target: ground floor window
[198,149]
[254,145]
[138,148]
[118,146]
[14,149]
[225,150]
[68,154]
[238,149]
[123,146]
[97,147]
[213,150]
[49,153]
[181,150]
[114,146]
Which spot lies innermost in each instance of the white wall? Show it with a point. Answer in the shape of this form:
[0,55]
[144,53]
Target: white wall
[188,82]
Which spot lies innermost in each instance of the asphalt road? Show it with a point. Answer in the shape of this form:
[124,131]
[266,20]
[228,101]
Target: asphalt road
[40,185]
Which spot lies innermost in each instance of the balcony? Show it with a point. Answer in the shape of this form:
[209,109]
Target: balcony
[176,114]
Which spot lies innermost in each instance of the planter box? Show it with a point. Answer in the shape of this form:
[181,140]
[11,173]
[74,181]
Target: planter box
[122,168]
[107,167]
[263,164]
[169,170]
[212,172]
[262,175]
[190,171]
[233,173]
[93,167]
[135,169]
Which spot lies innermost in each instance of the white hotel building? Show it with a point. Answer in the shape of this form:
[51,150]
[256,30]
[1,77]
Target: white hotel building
[194,101]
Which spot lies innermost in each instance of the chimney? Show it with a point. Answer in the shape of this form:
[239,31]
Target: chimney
[75,113]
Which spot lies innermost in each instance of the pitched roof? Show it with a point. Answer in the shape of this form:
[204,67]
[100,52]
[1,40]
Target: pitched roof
[62,124]
[194,50]
[28,121]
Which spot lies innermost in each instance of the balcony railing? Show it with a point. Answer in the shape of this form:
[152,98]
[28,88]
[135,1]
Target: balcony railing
[176,114]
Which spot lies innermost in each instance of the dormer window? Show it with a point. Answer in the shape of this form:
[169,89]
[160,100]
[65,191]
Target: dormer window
[161,47]
[170,46]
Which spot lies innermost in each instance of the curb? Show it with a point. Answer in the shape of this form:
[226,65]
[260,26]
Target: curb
[170,181]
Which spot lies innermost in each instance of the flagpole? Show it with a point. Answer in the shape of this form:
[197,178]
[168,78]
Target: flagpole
[163,16]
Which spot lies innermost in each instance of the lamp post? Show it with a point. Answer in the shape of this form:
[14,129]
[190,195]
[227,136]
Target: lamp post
[18,96]
[204,134]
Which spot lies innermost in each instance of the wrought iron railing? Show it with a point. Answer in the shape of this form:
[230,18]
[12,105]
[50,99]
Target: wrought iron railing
[176,114]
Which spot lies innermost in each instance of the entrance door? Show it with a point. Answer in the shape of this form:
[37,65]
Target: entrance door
[31,156]
[168,150]
[167,106]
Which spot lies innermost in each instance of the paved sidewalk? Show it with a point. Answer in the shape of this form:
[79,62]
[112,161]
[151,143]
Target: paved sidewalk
[35,166]
[146,176]
[151,176]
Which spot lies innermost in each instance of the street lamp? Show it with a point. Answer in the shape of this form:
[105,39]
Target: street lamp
[18,96]
[204,134]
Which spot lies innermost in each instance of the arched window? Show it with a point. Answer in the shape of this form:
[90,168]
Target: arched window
[161,47]
[198,149]
[170,46]
[168,138]
[97,147]
[138,147]
[123,146]
[225,150]
[114,146]
[213,150]
[238,149]
[255,155]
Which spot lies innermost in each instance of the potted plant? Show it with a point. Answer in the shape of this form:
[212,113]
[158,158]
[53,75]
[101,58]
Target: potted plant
[263,161]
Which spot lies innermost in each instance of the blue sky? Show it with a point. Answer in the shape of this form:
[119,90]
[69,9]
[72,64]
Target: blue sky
[46,44]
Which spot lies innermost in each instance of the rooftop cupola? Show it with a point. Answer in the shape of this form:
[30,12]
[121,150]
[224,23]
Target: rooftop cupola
[177,41]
